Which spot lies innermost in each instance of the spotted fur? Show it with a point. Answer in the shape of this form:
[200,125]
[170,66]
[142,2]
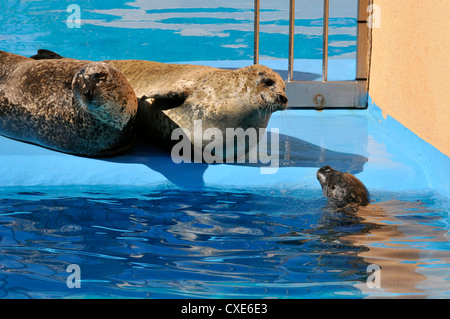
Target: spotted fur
[175,95]
[78,107]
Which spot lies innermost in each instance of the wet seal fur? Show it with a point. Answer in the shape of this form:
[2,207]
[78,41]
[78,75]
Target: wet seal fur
[342,189]
[78,107]
[174,96]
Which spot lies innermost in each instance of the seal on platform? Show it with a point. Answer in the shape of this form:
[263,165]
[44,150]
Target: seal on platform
[175,96]
[78,107]
[342,189]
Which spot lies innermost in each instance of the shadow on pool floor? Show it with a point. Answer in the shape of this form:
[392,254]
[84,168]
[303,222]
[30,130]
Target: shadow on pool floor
[293,152]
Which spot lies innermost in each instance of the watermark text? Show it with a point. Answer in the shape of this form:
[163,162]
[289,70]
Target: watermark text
[74,279]
[74,19]
[374,279]
[237,146]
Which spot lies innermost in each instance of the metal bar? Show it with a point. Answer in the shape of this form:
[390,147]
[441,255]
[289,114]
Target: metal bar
[256,33]
[326,14]
[330,94]
[291,40]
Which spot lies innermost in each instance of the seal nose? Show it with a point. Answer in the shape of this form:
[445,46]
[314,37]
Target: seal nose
[282,98]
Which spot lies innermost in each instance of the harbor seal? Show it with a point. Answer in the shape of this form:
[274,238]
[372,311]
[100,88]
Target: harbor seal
[175,96]
[342,189]
[77,107]
[178,95]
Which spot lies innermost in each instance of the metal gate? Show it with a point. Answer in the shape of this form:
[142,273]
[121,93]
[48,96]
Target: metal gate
[326,94]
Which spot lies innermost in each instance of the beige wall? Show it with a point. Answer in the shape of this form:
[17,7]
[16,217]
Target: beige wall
[410,67]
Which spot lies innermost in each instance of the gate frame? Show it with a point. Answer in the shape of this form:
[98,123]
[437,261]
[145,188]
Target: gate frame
[327,94]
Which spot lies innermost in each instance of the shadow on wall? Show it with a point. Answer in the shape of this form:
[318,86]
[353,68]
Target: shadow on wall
[293,152]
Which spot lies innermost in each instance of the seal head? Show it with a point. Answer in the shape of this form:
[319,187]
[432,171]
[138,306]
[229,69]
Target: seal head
[342,189]
[267,86]
[95,89]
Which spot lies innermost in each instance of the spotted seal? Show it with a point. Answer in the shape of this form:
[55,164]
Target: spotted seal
[341,188]
[175,96]
[77,107]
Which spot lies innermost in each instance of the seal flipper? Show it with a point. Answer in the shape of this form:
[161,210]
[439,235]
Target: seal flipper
[166,101]
[43,54]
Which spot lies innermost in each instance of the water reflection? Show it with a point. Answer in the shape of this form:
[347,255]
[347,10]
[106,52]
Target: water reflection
[409,246]
[170,243]
[167,243]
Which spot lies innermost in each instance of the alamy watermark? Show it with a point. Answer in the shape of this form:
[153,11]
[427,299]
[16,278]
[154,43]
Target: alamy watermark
[237,146]
[374,19]
[74,19]
[374,278]
[74,279]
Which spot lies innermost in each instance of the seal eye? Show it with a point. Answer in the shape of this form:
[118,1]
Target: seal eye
[268,82]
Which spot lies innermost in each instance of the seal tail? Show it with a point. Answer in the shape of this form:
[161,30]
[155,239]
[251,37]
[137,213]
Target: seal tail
[43,54]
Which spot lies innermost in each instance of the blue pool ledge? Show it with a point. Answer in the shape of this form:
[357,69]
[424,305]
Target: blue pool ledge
[381,152]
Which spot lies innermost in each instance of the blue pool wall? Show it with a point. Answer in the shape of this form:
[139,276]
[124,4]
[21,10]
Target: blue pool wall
[433,162]
[380,151]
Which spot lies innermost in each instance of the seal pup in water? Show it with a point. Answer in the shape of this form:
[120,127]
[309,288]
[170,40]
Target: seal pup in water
[175,96]
[77,107]
[342,189]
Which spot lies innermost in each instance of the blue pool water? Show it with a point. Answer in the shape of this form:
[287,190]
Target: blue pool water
[169,31]
[146,227]
[172,243]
